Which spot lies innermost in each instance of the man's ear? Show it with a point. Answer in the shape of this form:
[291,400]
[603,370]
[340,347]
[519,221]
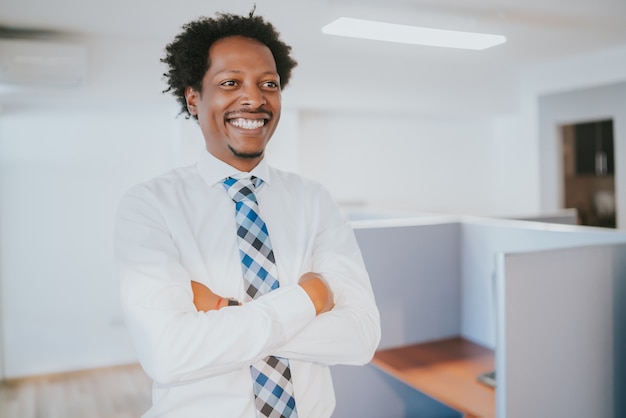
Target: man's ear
[192,96]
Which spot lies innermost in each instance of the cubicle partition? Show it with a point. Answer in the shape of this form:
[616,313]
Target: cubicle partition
[541,296]
[414,266]
[483,239]
[415,272]
[560,336]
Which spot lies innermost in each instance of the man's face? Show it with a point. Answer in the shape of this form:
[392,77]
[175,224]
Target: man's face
[239,107]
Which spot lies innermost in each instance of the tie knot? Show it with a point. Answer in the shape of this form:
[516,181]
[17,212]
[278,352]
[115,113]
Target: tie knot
[241,189]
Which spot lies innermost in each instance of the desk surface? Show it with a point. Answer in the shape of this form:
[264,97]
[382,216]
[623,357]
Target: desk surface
[445,370]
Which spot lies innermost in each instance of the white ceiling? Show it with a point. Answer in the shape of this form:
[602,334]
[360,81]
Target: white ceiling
[336,72]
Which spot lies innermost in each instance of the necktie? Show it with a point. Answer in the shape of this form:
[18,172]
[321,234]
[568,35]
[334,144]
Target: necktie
[273,390]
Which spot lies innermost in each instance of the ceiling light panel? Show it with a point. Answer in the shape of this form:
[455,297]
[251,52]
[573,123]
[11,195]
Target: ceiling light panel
[389,32]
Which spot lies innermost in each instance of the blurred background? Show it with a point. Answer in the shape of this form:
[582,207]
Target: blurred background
[526,128]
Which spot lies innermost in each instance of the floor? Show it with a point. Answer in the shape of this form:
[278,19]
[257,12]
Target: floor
[115,392]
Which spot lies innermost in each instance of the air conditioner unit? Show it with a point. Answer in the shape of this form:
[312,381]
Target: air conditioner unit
[34,62]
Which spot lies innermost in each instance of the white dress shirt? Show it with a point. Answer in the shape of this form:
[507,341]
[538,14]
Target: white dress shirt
[181,227]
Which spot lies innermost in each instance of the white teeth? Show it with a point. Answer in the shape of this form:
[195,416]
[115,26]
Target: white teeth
[248,123]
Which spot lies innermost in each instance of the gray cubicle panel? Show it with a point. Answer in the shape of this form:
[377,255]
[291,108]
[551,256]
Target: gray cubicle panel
[560,333]
[414,270]
[415,275]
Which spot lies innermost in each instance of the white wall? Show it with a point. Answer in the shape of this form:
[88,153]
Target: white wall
[480,165]
[516,167]
[62,170]
[401,161]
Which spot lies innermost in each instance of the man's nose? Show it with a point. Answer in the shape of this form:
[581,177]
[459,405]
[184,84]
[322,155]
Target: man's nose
[252,96]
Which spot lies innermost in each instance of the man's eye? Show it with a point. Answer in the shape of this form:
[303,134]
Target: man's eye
[229,83]
[271,84]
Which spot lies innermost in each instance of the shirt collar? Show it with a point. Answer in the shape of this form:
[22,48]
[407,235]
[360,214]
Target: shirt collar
[213,171]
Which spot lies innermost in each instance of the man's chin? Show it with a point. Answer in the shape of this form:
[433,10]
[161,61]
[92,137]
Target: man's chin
[246,155]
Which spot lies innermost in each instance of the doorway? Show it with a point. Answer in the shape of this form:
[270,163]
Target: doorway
[589,172]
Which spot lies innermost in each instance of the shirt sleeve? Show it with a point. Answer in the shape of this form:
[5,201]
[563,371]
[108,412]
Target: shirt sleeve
[350,332]
[174,341]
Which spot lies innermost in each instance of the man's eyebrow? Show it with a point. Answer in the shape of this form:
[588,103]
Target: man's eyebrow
[269,72]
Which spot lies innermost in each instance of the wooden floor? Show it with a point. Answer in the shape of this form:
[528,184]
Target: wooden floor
[116,392]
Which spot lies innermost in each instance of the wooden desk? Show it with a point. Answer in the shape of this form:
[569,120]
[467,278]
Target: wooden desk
[445,370]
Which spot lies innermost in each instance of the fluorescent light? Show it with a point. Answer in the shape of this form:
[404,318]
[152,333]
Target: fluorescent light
[368,29]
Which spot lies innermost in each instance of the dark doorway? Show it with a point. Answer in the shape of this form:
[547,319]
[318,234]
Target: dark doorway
[589,168]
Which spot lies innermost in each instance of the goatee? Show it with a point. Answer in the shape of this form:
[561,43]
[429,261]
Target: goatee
[246,155]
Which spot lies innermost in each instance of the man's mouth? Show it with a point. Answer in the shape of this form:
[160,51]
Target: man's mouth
[247,123]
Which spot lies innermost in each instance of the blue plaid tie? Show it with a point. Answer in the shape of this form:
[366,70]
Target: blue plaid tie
[273,390]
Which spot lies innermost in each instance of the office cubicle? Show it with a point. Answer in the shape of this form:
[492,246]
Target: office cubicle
[437,278]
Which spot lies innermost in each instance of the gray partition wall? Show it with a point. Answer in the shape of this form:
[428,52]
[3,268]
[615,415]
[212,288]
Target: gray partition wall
[415,277]
[561,333]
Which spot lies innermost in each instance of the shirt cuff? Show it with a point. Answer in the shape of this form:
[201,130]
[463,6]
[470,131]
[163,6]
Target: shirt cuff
[292,306]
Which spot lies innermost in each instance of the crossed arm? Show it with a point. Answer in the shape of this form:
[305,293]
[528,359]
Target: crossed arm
[313,284]
[171,340]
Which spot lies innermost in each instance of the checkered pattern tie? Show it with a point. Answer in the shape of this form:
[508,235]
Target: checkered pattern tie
[273,390]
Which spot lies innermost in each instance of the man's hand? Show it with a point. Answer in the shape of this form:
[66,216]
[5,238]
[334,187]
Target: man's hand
[320,293]
[204,299]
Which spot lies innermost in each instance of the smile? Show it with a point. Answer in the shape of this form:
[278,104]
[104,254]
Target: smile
[247,123]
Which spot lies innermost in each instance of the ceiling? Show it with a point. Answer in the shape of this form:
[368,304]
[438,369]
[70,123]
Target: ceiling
[355,73]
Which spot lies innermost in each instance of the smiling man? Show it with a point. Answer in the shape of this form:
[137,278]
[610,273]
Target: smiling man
[238,106]
[241,284]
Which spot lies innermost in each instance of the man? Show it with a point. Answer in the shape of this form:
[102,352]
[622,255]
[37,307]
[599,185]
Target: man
[241,284]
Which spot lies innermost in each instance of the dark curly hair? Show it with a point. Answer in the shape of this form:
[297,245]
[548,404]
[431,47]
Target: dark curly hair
[187,56]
